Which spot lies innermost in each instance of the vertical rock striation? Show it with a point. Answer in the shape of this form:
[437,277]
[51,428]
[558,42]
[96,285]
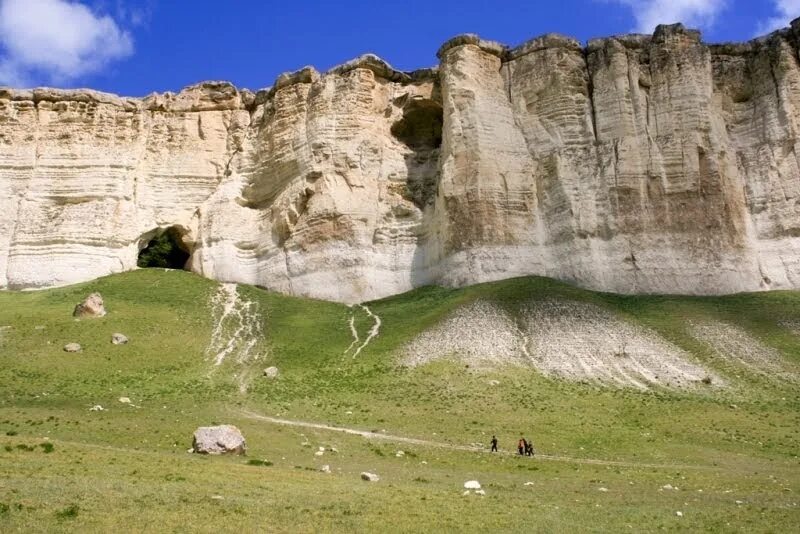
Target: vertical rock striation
[635,164]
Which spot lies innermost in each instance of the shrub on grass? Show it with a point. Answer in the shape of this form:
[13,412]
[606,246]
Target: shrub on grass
[47,447]
[255,461]
[70,512]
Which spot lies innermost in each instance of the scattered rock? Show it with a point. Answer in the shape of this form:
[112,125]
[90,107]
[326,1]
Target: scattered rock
[604,490]
[399,454]
[668,487]
[528,484]
[217,497]
[38,327]
[370,477]
[222,439]
[119,339]
[480,492]
[319,453]
[92,306]
[472,484]
[72,347]
[96,408]
[466,492]
[271,372]
[125,400]
[679,514]
[739,502]
[325,468]
[494,382]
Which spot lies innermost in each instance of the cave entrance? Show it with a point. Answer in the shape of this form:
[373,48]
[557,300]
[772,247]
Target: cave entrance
[421,125]
[165,250]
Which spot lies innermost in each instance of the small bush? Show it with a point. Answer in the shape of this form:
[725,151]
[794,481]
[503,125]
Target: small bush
[9,448]
[23,447]
[706,381]
[255,461]
[11,433]
[70,512]
[47,447]
[4,509]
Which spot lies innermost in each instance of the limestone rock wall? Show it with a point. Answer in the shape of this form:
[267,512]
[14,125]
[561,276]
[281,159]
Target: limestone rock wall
[634,164]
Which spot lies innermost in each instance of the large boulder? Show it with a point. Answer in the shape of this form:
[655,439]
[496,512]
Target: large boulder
[222,439]
[92,306]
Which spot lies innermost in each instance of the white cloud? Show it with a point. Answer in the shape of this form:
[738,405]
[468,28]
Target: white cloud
[785,12]
[693,13]
[56,41]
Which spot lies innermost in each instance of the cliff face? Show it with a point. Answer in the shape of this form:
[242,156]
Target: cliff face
[635,164]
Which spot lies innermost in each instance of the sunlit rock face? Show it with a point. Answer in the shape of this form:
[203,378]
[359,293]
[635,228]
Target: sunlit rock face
[635,164]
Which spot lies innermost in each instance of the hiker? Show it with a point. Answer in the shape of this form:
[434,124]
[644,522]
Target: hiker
[521,446]
[494,443]
[528,448]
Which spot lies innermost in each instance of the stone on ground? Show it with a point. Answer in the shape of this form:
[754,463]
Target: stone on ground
[325,468]
[472,484]
[370,477]
[271,372]
[96,408]
[125,400]
[222,439]
[72,347]
[92,306]
[119,339]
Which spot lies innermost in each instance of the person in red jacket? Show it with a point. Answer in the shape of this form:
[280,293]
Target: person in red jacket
[521,446]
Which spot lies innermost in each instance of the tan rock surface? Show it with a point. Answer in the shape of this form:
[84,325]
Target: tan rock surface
[636,164]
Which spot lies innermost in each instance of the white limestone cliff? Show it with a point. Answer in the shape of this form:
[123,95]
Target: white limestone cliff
[637,164]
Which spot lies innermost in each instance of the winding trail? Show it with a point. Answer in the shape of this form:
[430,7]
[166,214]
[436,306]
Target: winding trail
[373,331]
[466,448]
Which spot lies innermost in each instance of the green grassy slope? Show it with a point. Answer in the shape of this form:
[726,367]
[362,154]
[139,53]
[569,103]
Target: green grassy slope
[126,468]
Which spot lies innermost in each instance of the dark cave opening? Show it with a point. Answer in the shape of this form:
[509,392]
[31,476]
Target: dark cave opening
[421,125]
[166,250]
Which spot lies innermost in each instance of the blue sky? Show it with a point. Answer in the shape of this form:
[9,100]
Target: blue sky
[136,47]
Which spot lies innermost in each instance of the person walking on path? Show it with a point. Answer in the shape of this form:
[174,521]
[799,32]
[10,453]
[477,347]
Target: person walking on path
[521,446]
[528,448]
[494,443]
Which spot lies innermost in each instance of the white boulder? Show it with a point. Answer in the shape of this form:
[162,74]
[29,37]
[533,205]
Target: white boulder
[92,306]
[222,439]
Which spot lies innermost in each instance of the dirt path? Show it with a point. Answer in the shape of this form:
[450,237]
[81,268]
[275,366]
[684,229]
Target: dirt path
[466,448]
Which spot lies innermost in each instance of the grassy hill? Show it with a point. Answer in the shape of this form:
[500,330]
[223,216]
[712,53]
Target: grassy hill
[606,452]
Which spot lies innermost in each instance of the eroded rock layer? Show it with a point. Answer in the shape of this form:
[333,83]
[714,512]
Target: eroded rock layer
[634,164]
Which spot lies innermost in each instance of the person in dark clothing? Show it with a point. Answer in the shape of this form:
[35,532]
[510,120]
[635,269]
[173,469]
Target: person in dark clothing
[528,448]
[521,446]
[494,443]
